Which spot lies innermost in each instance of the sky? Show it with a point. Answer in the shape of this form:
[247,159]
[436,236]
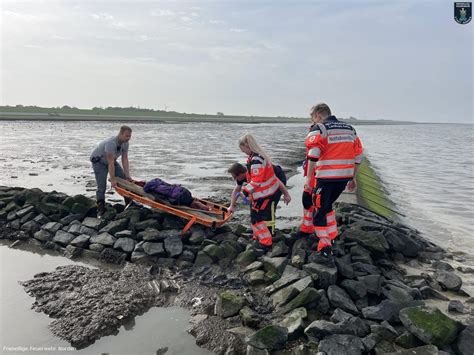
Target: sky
[397,60]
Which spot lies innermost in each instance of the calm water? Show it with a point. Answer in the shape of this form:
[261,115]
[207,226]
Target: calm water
[428,170]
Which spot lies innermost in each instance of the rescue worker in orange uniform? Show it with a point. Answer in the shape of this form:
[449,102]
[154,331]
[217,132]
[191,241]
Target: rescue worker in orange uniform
[334,153]
[263,189]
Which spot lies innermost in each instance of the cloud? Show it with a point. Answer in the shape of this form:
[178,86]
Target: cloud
[186,19]
[102,16]
[238,30]
[25,17]
[32,46]
[163,13]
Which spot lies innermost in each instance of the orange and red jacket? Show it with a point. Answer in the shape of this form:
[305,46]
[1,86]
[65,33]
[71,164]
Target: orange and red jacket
[261,179]
[335,147]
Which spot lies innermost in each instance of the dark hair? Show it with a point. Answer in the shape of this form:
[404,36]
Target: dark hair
[321,108]
[125,129]
[237,169]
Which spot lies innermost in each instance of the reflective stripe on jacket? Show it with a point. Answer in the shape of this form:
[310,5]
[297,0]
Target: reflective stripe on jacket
[336,148]
[261,179]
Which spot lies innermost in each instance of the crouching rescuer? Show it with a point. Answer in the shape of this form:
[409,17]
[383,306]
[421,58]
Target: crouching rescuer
[104,161]
[262,187]
[334,152]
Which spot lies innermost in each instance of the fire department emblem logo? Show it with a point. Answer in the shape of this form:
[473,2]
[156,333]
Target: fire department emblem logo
[312,138]
[462,12]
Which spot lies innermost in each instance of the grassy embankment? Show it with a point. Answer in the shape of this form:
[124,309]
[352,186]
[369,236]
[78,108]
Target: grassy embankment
[372,194]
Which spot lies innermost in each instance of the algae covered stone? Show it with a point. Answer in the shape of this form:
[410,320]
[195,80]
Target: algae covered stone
[430,325]
[228,304]
[272,337]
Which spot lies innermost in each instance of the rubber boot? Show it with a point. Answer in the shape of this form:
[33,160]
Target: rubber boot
[100,208]
[325,257]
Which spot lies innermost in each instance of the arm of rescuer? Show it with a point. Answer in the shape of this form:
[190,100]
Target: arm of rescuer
[125,165]
[315,144]
[233,198]
[284,191]
[111,165]
[358,150]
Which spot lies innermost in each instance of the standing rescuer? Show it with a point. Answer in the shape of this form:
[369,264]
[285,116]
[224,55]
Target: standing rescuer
[263,188]
[103,160]
[334,152]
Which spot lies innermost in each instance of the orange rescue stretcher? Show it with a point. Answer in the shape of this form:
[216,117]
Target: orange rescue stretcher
[215,217]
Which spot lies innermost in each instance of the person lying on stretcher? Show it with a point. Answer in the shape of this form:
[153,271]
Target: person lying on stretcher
[173,193]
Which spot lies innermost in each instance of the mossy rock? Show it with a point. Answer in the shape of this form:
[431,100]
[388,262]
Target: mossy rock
[430,325]
[49,209]
[272,337]
[246,257]
[228,304]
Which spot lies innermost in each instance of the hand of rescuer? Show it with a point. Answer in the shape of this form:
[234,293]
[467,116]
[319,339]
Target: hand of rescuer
[113,181]
[287,197]
[352,185]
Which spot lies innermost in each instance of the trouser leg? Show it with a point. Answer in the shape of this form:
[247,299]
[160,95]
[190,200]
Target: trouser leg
[336,189]
[307,224]
[322,206]
[100,173]
[260,214]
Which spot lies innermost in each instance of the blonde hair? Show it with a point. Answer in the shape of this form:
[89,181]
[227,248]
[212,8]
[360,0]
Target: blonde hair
[249,140]
[321,108]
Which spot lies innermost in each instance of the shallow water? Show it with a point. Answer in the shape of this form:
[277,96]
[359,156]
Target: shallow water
[22,327]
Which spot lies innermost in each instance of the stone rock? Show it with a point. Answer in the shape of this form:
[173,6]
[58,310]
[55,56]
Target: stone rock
[215,252]
[154,249]
[187,256]
[421,350]
[115,226]
[440,265]
[449,280]
[75,228]
[28,217]
[361,269]
[228,304]
[408,340]
[202,259]
[103,238]
[294,322]
[41,219]
[124,234]
[279,249]
[254,266]
[25,211]
[31,227]
[298,258]
[63,238]
[429,292]
[125,244]
[359,253]
[284,295]
[93,223]
[249,317]
[173,246]
[339,315]
[430,325]
[290,274]
[197,237]
[274,264]
[352,326]
[70,218]
[308,298]
[49,209]
[465,342]
[340,299]
[355,289]
[326,276]
[385,310]
[396,294]
[138,256]
[373,283]
[246,258]
[323,303]
[43,235]
[96,247]
[319,329]
[80,241]
[149,223]
[344,267]
[150,235]
[457,307]
[373,241]
[339,344]
[256,278]
[271,337]
[87,231]
[172,222]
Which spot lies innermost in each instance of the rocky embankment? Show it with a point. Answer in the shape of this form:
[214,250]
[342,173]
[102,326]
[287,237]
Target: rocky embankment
[243,301]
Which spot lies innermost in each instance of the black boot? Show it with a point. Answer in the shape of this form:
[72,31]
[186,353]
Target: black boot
[100,208]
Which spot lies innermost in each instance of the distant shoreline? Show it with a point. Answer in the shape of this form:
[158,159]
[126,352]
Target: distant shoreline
[29,116]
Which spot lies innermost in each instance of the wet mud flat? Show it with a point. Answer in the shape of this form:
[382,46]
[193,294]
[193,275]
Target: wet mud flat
[389,290]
